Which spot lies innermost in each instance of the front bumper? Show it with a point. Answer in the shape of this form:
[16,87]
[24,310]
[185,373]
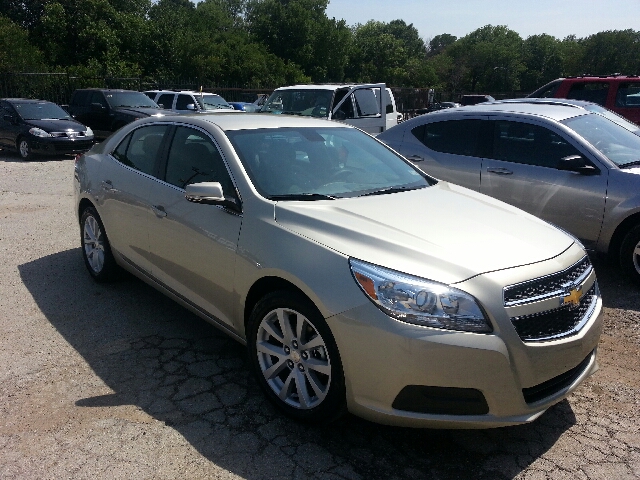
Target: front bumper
[407,375]
[59,145]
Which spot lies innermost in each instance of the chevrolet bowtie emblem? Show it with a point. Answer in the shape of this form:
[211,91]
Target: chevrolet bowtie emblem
[573,298]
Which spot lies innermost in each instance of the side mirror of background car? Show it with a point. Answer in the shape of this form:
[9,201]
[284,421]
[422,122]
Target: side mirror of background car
[191,106]
[96,107]
[577,163]
[9,118]
[339,115]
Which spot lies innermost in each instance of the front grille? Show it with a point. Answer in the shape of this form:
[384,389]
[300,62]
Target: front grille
[548,286]
[550,387]
[73,146]
[68,134]
[556,323]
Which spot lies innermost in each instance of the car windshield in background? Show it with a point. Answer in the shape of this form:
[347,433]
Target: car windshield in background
[212,102]
[618,144]
[129,99]
[306,102]
[40,111]
[320,163]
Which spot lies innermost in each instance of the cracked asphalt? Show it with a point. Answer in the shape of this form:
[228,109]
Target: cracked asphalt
[118,381]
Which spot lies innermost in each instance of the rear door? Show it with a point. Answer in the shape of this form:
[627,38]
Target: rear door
[521,169]
[125,182]
[449,150]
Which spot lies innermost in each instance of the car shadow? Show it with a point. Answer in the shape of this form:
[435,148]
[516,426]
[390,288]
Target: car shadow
[181,371]
[617,290]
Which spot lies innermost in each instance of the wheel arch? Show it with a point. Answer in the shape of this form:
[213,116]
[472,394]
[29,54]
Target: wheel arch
[266,285]
[620,232]
[82,205]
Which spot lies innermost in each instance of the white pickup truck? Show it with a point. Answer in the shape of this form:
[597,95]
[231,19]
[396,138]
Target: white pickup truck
[370,107]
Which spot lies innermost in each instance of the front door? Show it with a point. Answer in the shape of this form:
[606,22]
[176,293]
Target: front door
[522,170]
[194,245]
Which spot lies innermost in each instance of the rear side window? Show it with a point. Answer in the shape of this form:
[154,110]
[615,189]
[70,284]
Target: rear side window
[595,92]
[141,148]
[548,91]
[458,137]
[529,144]
[628,95]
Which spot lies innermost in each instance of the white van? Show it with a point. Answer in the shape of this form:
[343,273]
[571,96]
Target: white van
[359,105]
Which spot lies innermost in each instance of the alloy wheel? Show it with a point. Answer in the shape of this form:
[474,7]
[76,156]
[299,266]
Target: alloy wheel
[93,244]
[294,359]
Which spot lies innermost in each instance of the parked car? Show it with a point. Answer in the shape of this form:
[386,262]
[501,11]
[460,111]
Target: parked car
[186,101]
[32,127]
[107,110]
[299,237]
[563,163]
[619,93]
[250,106]
[360,105]
[475,99]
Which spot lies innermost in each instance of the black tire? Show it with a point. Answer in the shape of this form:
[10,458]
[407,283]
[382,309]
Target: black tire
[96,250]
[630,254]
[294,370]
[24,148]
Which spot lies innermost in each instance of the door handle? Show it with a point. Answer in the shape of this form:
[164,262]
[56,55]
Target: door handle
[499,171]
[159,211]
[107,186]
[415,158]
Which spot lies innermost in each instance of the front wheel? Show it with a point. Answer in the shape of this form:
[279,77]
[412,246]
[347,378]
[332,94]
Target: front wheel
[24,149]
[630,254]
[295,358]
[96,250]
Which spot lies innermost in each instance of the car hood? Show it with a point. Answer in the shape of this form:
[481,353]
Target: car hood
[144,111]
[57,125]
[444,233]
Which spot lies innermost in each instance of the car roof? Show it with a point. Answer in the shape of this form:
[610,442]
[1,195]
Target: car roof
[106,90]
[321,86]
[249,121]
[551,110]
[181,91]
[24,100]
[550,101]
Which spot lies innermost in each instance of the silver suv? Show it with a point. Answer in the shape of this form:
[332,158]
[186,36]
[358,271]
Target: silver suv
[563,163]
[187,101]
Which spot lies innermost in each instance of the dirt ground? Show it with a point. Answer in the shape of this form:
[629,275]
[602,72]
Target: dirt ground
[118,381]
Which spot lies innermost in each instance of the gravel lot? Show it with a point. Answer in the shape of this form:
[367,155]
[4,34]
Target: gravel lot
[118,381]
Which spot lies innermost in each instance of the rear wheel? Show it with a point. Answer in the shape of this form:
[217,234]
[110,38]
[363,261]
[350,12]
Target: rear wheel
[630,254]
[295,358]
[96,250]
[24,149]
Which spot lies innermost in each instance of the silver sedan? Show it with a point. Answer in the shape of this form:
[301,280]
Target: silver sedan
[356,281]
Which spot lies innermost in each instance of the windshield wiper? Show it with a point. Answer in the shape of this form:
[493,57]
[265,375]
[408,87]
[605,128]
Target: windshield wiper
[629,164]
[303,196]
[384,191]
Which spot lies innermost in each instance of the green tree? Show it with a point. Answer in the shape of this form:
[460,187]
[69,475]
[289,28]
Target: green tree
[17,54]
[542,60]
[612,51]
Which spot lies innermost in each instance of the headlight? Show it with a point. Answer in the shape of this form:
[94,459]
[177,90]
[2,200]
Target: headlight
[89,132]
[419,301]
[38,132]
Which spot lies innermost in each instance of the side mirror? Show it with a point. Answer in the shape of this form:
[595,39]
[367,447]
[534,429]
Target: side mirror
[191,106]
[210,193]
[577,163]
[96,107]
[9,118]
[339,115]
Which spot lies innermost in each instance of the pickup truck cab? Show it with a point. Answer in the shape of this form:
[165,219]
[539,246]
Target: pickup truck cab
[106,110]
[370,107]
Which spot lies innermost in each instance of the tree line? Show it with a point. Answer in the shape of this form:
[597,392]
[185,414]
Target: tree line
[262,43]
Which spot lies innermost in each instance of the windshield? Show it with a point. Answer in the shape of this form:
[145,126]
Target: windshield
[306,102]
[40,111]
[618,144]
[613,116]
[129,99]
[212,102]
[310,163]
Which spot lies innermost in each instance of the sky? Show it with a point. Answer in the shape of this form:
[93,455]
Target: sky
[558,18]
